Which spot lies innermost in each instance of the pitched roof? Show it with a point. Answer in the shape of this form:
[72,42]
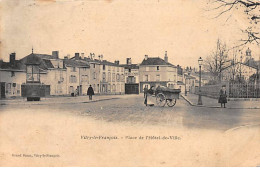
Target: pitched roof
[89,60]
[240,63]
[16,66]
[155,61]
[75,63]
[131,66]
[40,59]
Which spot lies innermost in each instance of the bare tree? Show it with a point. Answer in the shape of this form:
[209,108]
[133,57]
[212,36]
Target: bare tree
[234,70]
[215,63]
[249,8]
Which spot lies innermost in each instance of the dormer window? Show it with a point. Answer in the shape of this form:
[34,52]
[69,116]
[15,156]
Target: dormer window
[12,74]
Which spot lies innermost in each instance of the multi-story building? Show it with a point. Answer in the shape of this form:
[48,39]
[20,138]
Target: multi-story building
[12,75]
[112,79]
[131,77]
[78,76]
[52,71]
[105,77]
[155,71]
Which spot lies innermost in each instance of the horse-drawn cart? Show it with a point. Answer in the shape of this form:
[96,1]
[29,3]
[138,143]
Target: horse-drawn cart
[167,96]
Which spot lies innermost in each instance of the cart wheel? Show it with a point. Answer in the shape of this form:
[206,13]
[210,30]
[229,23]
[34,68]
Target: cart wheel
[171,102]
[160,99]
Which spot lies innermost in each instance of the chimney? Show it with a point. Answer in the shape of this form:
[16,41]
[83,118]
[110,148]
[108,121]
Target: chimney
[82,55]
[128,61]
[55,54]
[145,57]
[76,56]
[85,58]
[12,58]
[117,62]
[166,57]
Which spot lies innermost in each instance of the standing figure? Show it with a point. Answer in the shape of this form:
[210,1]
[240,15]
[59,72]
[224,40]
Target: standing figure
[90,92]
[149,99]
[223,96]
[145,90]
[76,92]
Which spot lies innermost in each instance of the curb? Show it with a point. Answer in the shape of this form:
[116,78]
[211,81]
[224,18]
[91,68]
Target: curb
[93,101]
[239,127]
[192,104]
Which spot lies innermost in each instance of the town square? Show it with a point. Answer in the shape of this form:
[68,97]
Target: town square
[130,83]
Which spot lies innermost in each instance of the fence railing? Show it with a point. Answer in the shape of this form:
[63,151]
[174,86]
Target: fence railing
[234,90]
[244,90]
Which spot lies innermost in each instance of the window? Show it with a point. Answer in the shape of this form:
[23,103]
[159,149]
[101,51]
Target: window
[94,65]
[122,78]
[113,77]
[73,79]
[146,78]
[94,75]
[158,68]
[114,87]
[61,76]
[104,67]
[109,76]
[18,88]
[73,69]
[104,76]
[109,87]
[84,78]
[12,74]
[129,70]
[158,77]
[117,69]
[131,79]
[117,77]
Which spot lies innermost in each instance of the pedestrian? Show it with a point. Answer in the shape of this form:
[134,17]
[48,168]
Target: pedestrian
[223,96]
[90,92]
[149,99]
[76,92]
[145,90]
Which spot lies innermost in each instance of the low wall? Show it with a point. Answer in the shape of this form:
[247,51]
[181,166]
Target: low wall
[211,90]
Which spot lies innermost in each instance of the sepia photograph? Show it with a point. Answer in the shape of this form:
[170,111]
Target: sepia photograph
[129,83]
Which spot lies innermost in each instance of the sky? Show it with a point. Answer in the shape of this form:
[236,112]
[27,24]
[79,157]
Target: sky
[118,29]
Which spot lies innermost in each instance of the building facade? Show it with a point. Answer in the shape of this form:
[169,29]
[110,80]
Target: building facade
[155,71]
[131,77]
[238,71]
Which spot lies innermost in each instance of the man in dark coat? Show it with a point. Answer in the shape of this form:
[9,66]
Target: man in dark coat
[145,90]
[90,92]
[223,96]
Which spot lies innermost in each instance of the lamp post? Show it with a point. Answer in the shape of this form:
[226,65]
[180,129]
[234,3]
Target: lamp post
[185,86]
[200,60]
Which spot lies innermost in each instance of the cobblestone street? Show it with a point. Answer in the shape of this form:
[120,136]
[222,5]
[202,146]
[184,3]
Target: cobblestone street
[61,126]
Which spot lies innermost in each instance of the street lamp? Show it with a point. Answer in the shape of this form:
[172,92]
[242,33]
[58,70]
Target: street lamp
[185,86]
[200,60]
